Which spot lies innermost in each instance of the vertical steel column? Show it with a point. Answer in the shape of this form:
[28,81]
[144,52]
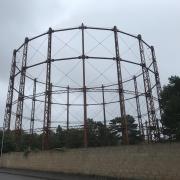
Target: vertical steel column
[47,105]
[68,108]
[147,131]
[20,103]
[153,128]
[8,108]
[33,109]
[138,107]
[84,88]
[157,78]
[50,108]
[104,106]
[120,88]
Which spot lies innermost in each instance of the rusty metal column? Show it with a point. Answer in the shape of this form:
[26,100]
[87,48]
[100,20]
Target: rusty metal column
[147,132]
[104,106]
[50,102]
[47,107]
[33,109]
[84,88]
[157,79]
[153,128]
[8,108]
[20,103]
[138,107]
[68,108]
[120,90]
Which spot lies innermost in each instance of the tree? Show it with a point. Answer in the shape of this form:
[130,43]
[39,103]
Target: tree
[133,133]
[74,138]
[170,104]
[100,135]
[9,141]
[59,137]
[106,138]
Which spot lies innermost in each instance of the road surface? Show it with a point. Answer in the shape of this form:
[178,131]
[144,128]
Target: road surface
[12,174]
[5,176]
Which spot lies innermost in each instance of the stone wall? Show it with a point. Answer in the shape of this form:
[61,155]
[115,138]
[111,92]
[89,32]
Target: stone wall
[156,161]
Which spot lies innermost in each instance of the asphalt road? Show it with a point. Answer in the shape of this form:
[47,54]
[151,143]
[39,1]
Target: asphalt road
[5,176]
[13,174]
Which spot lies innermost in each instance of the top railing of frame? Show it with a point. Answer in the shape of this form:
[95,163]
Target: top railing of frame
[84,27]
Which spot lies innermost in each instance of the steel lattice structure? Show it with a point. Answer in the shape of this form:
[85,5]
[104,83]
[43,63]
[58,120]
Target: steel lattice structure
[22,70]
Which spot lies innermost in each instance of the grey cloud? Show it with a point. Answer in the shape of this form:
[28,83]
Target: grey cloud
[157,21]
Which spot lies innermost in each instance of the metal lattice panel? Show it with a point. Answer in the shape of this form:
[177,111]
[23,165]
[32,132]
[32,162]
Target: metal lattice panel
[79,73]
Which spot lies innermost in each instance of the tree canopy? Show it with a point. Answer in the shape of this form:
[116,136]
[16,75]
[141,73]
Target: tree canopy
[116,126]
[170,101]
[98,135]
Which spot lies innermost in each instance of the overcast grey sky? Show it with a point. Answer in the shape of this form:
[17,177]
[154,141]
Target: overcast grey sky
[157,20]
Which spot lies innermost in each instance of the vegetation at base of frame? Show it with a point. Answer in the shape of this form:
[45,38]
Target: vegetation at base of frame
[170,101]
[98,135]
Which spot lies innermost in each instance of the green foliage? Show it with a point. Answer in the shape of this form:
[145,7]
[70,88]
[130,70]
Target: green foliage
[9,144]
[74,138]
[133,133]
[170,100]
[98,135]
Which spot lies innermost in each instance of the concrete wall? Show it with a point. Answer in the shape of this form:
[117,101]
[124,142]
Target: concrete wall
[157,161]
